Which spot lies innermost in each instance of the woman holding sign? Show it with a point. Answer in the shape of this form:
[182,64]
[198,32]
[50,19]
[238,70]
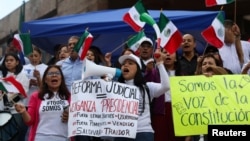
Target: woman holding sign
[209,65]
[132,75]
[46,107]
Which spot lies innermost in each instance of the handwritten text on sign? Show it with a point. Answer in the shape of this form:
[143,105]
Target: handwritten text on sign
[199,101]
[100,108]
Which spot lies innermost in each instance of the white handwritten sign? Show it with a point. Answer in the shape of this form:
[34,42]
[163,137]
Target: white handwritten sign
[99,108]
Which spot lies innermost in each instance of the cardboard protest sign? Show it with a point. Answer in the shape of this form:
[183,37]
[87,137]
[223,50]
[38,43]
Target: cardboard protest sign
[199,101]
[100,108]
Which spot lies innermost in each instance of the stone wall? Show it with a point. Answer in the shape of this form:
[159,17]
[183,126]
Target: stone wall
[40,9]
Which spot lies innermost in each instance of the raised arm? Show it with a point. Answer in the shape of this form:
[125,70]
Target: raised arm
[157,89]
[236,31]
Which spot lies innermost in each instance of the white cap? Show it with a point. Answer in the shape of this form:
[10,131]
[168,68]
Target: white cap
[131,57]
[146,39]
[149,60]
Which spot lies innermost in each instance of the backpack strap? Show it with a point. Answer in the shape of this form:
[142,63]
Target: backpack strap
[147,90]
[150,101]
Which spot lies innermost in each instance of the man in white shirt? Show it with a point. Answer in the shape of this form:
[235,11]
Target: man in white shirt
[234,53]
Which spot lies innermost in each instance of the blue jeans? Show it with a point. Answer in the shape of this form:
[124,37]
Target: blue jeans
[143,136]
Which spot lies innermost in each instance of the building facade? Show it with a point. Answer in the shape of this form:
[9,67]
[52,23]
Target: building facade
[42,9]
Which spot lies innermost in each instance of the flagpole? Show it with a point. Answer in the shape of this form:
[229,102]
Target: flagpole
[118,47]
[21,16]
[205,49]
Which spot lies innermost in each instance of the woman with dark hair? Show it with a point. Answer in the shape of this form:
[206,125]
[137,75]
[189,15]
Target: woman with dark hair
[12,66]
[132,75]
[55,58]
[93,56]
[63,52]
[34,71]
[46,108]
[99,57]
[209,65]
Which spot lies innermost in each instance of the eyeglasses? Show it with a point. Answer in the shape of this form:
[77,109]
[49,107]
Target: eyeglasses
[57,73]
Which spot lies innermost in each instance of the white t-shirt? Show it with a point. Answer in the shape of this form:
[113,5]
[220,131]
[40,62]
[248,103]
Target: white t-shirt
[29,70]
[50,126]
[246,50]
[230,58]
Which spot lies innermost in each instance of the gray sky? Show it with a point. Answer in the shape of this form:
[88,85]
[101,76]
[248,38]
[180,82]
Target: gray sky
[8,6]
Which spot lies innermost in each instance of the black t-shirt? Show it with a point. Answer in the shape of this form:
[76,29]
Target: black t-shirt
[187,67]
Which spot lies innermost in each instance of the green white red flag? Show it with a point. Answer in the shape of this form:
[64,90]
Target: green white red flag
[210,3]
[149,20]
[132,17]
[215,33]
[11,85]
[171,37]
[23,43]
[83,44]
[134,42]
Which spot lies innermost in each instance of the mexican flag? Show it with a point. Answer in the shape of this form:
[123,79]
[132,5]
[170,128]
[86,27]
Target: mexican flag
[210,3]
[83,44]
[134,42]
[171,37]
[149,20]
[21,16]
[11,85]
[23,43]
[132,17]
[215,33]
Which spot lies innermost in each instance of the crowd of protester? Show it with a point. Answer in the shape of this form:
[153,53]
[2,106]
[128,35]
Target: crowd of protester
[51,81]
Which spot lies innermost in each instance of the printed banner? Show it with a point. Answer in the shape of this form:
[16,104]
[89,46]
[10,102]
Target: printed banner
[199,101]
[100,108]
